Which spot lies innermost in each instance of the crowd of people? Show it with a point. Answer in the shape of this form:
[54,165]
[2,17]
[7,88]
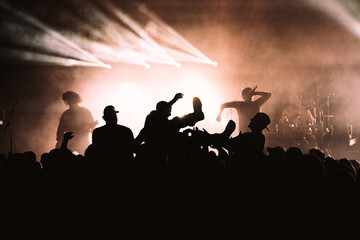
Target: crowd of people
[172,157]
[176,153]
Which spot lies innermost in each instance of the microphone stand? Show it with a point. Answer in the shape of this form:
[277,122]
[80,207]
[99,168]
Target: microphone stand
[10,127]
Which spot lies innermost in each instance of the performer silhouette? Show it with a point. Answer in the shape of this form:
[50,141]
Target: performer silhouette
[76,119]
[246,109]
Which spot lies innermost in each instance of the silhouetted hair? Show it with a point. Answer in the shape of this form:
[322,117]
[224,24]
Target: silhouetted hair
[71,97]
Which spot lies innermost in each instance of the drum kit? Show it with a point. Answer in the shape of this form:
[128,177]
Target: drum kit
[304,134]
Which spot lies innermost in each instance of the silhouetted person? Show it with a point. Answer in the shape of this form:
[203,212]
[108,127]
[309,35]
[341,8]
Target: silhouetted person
[76,119]
[113,142]
[214,139]
[248,164]
[159,132]
[246,109]
[255,140]
[61,166]
[251,143]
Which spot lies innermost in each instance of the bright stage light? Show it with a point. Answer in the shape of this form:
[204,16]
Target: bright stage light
[56,35]
[224,121]
[108,34]
[196,87]
[125,96]
[27,56]
[135,96]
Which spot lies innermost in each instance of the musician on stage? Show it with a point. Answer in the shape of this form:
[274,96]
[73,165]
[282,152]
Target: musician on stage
[297,114]
[76,119]
[246,109]
[296,125]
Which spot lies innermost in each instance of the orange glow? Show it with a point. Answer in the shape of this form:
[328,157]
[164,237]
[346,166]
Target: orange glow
[135,98]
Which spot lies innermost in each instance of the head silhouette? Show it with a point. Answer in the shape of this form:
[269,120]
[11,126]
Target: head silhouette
[71,97]
[259,122]
[163,107]
[246,94]
[110,115]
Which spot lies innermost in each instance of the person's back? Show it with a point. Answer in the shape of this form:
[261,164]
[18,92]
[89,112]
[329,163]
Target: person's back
[113,138]
[253,142]
[113,141]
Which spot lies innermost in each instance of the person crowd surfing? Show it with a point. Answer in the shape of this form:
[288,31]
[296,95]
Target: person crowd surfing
[172,157]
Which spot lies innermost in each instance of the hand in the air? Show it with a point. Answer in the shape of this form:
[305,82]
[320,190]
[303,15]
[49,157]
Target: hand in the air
[178,96]
[68,136]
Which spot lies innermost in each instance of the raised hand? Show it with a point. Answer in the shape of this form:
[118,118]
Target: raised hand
[68,136]
[178,96]
[252,92]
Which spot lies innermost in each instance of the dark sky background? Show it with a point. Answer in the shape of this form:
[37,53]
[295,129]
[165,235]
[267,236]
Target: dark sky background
[280,46]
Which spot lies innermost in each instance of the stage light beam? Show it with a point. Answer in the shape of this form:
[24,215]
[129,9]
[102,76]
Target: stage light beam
[159,29]
[126,19]
[339,11]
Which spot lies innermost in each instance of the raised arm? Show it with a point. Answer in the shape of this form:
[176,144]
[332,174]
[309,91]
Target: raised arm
[174,100]
[66,137]
[235,104]
[264,97]
[165,106]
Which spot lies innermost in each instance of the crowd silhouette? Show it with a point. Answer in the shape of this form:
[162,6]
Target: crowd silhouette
[174,159]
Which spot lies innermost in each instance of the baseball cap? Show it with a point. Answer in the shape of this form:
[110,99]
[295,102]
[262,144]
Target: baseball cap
[109,110]
[262,119]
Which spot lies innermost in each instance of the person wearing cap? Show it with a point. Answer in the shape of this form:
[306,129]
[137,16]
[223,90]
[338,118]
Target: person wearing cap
[113,141]
[252,143]
[247,108]
[76,119]
[256,139]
